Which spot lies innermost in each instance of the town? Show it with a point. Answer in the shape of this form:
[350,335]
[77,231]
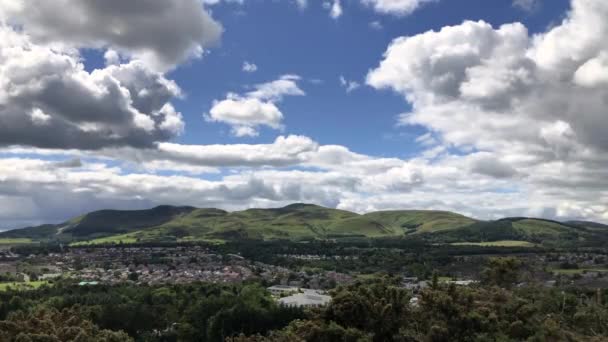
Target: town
[149,265]
[155,266]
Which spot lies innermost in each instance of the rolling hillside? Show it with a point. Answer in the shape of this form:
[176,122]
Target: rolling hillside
[425,221]
[536,231]
[300,222]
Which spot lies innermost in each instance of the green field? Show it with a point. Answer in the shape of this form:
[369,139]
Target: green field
[503,243]
[141,236]
[22,286]
[15,241]
[116,239]
[540,228]
[578,271]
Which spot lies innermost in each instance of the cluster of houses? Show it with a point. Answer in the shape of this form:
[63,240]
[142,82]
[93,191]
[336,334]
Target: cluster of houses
[316,257]
[163,265]
[175,265]
[7,254]
[162,274]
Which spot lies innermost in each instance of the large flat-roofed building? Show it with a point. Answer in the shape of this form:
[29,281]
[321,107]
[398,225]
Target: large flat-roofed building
[278,290]
[305,299]
[281,290]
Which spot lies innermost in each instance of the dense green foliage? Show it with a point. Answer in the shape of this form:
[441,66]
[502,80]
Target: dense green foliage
[382,312]
[49,324]
[379,309]
[192,312]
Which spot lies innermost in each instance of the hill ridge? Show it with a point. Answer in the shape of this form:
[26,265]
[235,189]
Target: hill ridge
[297,221]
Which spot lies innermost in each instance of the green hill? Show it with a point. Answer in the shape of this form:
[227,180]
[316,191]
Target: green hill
[100,223]
[295,222]
[594,226]
[37,233]
[537,231]
[303,222]
[421,221]
[122,221]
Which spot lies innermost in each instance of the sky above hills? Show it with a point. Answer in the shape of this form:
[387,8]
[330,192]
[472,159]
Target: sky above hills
[488,108]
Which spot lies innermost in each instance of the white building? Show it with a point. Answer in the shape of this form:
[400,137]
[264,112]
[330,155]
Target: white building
[306,299]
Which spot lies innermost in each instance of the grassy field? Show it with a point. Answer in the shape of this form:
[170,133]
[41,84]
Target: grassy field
[115,239]
[140,236]
[22,286]
[503,243]
[578,271]
[541,228]
[20,241]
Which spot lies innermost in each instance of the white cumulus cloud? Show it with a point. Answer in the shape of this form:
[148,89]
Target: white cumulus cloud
[249,67]
[395,7]
[245,113]
[143,29]
[45,90]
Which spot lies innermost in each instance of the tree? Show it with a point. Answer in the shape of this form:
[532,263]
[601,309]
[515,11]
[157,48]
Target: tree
[133,276]
[55,325]
[435,281]
[503,272]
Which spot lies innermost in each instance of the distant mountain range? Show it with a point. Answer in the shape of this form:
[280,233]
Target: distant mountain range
[303,222]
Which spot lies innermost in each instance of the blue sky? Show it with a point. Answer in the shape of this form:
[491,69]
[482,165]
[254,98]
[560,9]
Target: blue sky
[309,43]
[486,108]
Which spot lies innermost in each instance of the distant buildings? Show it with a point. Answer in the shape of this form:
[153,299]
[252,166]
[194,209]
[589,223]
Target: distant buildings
[305,299]
[88,283]
[278,290]
[299,297]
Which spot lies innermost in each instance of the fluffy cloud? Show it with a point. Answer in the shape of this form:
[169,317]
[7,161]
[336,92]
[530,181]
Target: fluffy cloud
[88,183]
[284,151]
[46,90]
[256,108]
[243,114]
[293,169]
[531,104]
[594,72]
[335,10]
[492,166]
[441,66]
[274,91]
[142,29]
[37,189]
[395,7]
[249,67]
